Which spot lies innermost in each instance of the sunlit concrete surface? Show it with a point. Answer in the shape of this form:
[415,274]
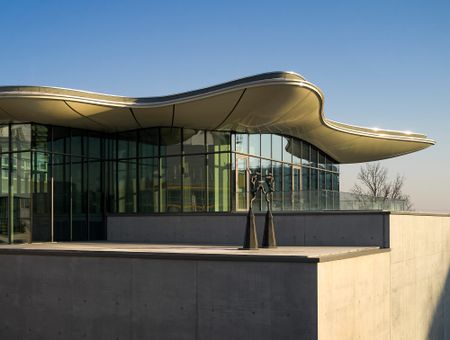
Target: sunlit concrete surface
[137,291]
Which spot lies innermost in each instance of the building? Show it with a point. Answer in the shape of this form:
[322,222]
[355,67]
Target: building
[172,173]
[70,158]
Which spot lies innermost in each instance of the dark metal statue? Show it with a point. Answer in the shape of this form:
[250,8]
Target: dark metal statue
[251,239]
[269,240]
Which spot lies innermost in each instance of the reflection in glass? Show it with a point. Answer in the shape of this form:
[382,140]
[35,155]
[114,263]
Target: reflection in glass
[148,185]
[21,137]
[4,138]
[242,183]
[254,144]
[194,183]
[242,142]
[194,141]
[41,137]
[126,144]
[287,156]
[313,156]
[277,153]
[219,182]
[287,187]
[217,141]
[171,184]
[41,191]
[126,186]
[79,200]
[266,145]
[21,196]
[149,142]
[170,141]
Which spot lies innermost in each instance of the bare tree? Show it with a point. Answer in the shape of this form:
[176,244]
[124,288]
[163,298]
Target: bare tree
[374,183]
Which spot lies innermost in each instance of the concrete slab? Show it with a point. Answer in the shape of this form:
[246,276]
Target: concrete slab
[207,252]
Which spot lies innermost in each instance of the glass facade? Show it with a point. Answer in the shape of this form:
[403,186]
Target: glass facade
[60,183]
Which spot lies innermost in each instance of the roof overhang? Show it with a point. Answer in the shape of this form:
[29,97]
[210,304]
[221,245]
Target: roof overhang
[278,102]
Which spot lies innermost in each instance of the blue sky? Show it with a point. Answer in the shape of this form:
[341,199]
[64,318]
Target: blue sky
[380,63]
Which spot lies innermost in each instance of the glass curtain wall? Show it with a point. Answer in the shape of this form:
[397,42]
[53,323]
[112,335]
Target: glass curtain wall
[305,177]
[59,183]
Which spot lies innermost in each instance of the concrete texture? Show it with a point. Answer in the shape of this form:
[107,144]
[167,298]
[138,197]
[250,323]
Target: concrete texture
[132,291]
[93,297]
[354,298]
[420,282]
[299,229]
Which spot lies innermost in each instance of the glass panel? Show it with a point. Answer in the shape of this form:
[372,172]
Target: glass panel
[62,190]
[194,141]
[266,169]
[170,141]
[276,148]
[4,138]
[194,183]
[255,144]
[296,150]
[314,179]
[41,189]
[321,180]
[242,142]
[21,192]
[287,156]
[21,137]
[95,146]
[42,137]
[287,187]
[217,141]
[148,185]
[278,194]
[328,185]
[306,185]
[126,186]
[321,160]
[149,143]
[242,183]
[95,199]
[79,200]
[219,182]
[266,145]
[76,142]
[313,156]
[61,139]
[126,144]
[296,187]
[171,184]
[4,161]
[255,168]
[306,157]
[336,182]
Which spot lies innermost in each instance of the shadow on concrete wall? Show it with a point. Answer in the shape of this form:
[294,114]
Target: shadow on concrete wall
[440,324]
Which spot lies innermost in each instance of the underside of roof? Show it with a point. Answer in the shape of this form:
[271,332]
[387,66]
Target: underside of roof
[278,102]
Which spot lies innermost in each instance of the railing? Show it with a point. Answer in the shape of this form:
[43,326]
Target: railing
[326,200]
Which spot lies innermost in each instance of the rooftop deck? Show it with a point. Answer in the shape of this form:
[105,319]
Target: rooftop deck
[189,252]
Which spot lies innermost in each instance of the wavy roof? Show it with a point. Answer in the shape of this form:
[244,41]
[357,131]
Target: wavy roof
[277,102]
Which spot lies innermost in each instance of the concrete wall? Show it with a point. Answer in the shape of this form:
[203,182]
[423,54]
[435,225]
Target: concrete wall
[62,297]
[354,298]
[420,282]
[316,229]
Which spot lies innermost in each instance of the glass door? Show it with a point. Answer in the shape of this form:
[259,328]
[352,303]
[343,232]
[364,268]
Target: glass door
[242,183]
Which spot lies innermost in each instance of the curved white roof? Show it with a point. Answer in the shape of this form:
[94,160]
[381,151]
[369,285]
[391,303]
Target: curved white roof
[278,102]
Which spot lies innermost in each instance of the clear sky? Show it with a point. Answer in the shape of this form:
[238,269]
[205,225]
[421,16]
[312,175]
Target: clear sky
[380,63]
